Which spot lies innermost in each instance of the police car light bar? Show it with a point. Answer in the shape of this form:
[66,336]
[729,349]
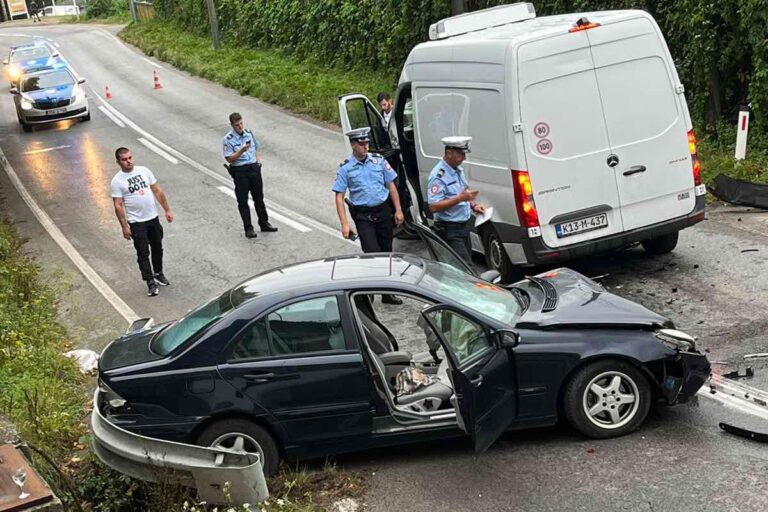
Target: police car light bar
[479,20]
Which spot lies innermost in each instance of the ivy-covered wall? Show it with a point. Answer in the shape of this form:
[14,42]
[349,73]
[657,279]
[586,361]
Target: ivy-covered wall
[720,48]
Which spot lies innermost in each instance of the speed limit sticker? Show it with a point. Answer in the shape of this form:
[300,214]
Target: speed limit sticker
[544,146]
[541,130]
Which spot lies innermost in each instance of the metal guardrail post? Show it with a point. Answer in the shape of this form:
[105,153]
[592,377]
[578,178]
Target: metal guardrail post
[133,11]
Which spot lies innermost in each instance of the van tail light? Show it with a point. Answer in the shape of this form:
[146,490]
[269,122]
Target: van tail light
[695,162]
[526,209]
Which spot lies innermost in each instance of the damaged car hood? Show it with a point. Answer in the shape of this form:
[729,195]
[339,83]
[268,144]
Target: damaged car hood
[563,297]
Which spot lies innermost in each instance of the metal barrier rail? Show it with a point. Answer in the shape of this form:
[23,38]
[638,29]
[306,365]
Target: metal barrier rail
[155,460]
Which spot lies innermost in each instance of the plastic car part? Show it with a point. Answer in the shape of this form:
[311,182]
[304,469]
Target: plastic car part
[760,437]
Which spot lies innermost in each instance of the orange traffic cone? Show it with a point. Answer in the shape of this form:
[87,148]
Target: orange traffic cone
[107,94]
[156,79]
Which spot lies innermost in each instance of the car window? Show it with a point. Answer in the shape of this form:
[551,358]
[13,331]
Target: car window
[312,325]
[475,294]
[29,53]
[187,327]
[47,80]
[466,339]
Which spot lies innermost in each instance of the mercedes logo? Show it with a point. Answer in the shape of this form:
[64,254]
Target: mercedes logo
[613,161]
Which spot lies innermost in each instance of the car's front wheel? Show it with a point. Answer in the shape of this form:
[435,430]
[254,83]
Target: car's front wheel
[25,126]
[607,398]
[86,117]
[661,244]
[242,436]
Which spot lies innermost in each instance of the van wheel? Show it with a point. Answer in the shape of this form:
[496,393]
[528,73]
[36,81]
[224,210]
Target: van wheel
[496,257]
[607,398]
[661,244]
[242,435]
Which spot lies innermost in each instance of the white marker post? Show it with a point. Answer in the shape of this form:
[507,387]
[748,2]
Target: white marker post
[741,133]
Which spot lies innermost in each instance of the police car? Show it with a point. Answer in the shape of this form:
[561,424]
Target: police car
[50,95]
[28,57]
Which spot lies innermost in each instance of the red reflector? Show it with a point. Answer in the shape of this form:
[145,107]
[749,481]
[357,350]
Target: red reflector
[526,208]
[586,26]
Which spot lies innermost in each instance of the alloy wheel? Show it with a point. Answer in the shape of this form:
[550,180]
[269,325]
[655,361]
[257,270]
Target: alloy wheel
[238,442]
[611,400]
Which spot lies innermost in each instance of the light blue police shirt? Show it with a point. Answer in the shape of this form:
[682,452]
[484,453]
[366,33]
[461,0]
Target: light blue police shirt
[446,182]
[233,142]
[367,181]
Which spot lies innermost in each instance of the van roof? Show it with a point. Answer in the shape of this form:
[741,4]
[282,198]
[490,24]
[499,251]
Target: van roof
[514,34]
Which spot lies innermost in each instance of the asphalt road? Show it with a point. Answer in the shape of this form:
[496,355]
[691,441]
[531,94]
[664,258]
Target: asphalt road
[714,285]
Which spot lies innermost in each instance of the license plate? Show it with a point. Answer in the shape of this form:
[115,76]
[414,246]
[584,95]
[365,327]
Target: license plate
[55,111]
[582,225]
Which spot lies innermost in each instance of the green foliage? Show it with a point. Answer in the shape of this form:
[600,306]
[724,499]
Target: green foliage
[719,48]
[110,9]
[303,87]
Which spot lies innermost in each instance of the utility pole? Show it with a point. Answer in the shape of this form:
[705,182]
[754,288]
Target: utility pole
[457,7]
[214,24]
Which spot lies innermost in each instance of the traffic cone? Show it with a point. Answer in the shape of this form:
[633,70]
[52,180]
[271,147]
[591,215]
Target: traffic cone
[107,94]
[156,79]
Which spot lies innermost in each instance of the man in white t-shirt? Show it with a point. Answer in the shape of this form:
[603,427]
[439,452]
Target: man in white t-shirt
[134,190]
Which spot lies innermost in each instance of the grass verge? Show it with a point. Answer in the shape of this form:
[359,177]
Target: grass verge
[117,19]
[299,86]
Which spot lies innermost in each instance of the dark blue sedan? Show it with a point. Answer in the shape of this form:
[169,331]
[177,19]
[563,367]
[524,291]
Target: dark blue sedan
[304,361]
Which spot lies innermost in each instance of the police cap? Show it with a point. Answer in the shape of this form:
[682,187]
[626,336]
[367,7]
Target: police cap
[359,134]
[457,142]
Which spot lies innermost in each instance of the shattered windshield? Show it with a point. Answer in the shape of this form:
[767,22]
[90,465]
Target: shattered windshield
[475,294]
[194,322]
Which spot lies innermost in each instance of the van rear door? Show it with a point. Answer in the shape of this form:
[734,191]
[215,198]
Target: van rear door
[645,114]
[566,143]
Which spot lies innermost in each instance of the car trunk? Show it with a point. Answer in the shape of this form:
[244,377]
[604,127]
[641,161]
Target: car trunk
[129,349]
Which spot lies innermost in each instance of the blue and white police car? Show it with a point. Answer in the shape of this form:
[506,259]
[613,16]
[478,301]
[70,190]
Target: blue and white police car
[29,57]
[48,96]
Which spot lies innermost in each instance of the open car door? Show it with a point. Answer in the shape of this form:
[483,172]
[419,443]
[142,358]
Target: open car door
[481,370]
[357,111]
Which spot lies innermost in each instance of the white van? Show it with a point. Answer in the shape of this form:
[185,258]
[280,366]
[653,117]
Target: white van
[582,140]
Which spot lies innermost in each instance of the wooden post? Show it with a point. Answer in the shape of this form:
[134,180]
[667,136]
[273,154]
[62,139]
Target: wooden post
[214,24]
[132,5]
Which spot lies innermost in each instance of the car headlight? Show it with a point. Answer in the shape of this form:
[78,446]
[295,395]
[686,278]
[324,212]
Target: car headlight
[14,72]
[26,104]
[79,96]
[677,340]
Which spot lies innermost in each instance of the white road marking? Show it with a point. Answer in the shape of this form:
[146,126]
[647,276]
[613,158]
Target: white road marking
[36,151]
[153,63]
[53,230]
[158,151]
[272,214]
[334,232]
[112,117]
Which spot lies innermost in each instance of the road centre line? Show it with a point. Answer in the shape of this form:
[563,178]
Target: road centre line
[158,151]
[90,274]
[272,214]
[336,233]
[36,151]
[112,117]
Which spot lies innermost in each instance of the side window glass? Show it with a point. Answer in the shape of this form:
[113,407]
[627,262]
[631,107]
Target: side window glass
[254,342]
[466,339]
[309,326]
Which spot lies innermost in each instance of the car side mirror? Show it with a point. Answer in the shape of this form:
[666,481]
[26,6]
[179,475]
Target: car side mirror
[508,338]
[14,90]
[81,80]
[491,276]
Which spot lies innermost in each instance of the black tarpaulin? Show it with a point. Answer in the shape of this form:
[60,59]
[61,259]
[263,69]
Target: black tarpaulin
[740,192]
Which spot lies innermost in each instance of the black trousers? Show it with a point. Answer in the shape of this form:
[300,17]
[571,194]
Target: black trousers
[247,179]
[374,227]
[148,235]
[456,235]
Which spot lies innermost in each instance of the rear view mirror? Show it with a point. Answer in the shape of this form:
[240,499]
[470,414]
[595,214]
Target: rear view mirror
[508,338]
[14,90]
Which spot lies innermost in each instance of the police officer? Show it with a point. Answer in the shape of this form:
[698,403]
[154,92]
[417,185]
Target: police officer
[450,198]
[242,152]
[372,196]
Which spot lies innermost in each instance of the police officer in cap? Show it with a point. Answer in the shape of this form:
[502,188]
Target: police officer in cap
[372,196]
[450,198]
[242,153]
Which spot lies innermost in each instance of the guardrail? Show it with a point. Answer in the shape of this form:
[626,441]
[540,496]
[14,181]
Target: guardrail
[155,460]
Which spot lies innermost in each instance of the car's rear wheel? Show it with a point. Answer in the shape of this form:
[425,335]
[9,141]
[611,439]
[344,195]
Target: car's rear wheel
[661,244]
[496,256]
[242,436]
[607,398]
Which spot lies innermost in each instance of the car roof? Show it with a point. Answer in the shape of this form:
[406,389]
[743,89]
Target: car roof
[332,274]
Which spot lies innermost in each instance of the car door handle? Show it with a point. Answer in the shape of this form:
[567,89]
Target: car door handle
[260,378]
[477,381]
[634,170]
